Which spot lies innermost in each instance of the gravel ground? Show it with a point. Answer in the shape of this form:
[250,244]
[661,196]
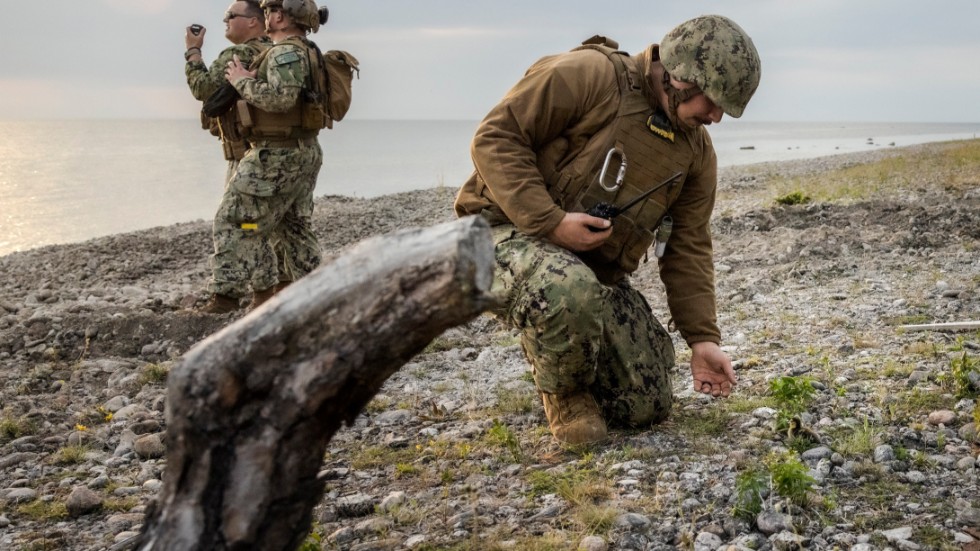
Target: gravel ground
[454,452]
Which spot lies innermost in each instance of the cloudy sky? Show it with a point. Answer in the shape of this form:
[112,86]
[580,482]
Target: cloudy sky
[826,60]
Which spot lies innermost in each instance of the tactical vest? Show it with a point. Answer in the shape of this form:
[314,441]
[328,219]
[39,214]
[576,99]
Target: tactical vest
[302,120]
[652,151]
[226,126]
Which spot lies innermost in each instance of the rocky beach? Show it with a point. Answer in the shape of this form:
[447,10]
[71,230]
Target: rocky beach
[847,430]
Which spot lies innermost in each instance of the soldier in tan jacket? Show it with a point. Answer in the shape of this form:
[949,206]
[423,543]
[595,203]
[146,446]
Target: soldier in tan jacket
[596,125]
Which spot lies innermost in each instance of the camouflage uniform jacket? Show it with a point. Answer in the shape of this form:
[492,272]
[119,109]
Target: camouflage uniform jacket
[204,81]
[282,74]
[570,97]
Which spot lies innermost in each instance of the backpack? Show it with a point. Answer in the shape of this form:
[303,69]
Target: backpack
[330,95]
[340,66]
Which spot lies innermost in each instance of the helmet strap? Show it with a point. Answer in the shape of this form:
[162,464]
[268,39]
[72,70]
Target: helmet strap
[675,97]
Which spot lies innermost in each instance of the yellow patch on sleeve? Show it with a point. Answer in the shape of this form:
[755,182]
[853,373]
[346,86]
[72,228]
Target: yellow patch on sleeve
[250,226]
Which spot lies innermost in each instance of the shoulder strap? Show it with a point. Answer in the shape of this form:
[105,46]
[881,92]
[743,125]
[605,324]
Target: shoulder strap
[629,78]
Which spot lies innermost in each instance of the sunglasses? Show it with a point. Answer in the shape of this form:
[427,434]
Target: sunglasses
[229,16]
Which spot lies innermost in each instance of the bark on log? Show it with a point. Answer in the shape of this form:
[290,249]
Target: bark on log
[251,409]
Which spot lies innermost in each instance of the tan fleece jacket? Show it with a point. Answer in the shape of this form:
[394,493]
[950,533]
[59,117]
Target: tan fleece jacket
[564,100]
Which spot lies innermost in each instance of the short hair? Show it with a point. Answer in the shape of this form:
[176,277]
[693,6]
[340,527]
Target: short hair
[253,9]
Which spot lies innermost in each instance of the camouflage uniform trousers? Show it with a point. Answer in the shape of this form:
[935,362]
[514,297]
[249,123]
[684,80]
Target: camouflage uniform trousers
[578,333]
[277,245]
[262,231]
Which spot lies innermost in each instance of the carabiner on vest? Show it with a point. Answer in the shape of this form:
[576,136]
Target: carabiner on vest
[620,175]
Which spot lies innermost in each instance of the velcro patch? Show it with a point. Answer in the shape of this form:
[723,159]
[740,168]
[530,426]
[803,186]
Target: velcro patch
[660,125]
[287,58]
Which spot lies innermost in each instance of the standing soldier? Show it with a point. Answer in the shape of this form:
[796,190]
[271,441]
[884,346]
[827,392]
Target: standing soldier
[598,125]
[270,195]
[245,29]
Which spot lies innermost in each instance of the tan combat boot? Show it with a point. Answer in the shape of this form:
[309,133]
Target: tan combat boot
[574,419]
[258,297]
[219,304]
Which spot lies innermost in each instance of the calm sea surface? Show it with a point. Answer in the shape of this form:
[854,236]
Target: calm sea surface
[67,181]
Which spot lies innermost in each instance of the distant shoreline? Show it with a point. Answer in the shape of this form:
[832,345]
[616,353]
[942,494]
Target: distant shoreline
[128,208]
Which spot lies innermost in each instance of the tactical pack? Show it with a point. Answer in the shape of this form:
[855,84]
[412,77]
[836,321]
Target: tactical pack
[329,97]
[341,67]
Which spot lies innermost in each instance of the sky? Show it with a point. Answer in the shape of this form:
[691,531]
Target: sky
[826,60]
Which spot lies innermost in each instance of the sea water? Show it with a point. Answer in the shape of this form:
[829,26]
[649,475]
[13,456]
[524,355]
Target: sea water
[68,181]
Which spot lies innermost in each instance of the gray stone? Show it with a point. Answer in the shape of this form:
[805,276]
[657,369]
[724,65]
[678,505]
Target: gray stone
[392,501]
[122,522]
[706,541]
[969,516]
[16,459]
[632,521]
[969,433]
[896,534]
[942,417]
[788,541]
[395,417]
[132,411]
[342,536]
[99,482]
[82,501]
[816,454]
[915,477]
[21,495]
[149,446]
[592,543]
[884,453]
[357,505]
[771,522]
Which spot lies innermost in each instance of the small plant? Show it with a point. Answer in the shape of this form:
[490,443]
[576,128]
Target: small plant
[405,470]
[71,455]
[516,400]
[790,478]
[963,371]
[596,519]
[792,395]
[576,486]
[861,442]
[313,542]
[750,489]
[794,198]
[12,428]
[154,373]
[379,404]
[44,510]
[501,435]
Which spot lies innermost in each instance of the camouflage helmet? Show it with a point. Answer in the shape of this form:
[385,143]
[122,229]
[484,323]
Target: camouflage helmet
[303,12]
[714,53]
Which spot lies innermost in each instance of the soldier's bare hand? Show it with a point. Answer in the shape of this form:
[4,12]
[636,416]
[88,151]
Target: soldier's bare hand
[194,41]
[573,232]
[711,369]
[236,71]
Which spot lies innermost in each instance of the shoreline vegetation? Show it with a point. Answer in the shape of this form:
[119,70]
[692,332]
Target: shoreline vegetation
[843,432]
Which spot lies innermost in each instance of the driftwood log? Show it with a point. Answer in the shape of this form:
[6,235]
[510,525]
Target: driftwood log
[950,326]
[251,409]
